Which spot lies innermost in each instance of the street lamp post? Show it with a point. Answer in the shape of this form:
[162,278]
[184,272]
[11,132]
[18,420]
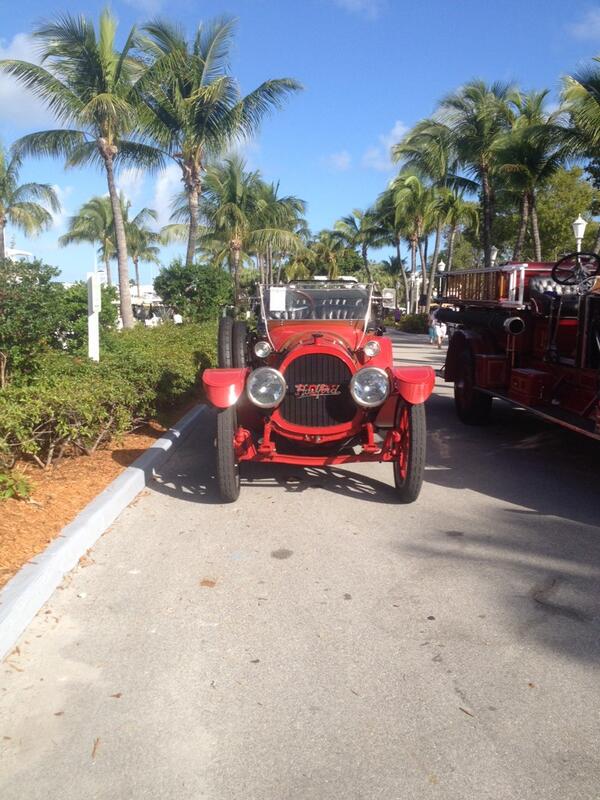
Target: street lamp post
[441,266]
[579,227]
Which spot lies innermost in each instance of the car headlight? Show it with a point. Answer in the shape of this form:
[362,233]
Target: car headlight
[266,387]
[370,387]
[262,349]
[371,348]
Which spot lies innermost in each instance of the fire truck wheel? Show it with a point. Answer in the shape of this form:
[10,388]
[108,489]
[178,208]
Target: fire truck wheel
[472,407]
[238,344]
[410,466]
[224,343]
[228,471]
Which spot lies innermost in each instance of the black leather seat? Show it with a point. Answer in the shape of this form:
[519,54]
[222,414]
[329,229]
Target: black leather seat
[342,308]
[543,291]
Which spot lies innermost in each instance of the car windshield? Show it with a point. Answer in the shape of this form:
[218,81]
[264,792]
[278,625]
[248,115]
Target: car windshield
[316,300]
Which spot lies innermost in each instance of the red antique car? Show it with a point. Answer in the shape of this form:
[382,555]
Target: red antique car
[528,334]
[315,385]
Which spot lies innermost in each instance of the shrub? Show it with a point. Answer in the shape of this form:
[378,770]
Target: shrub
[14,484]
[198,292]
[73,404]
[413,323]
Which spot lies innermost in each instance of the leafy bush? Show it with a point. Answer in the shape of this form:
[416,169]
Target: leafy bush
[75,405]
[198,292]
[14,484]
[413,323]
[38,314]
[30,311]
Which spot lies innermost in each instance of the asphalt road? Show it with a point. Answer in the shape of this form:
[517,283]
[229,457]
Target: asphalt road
[317,640]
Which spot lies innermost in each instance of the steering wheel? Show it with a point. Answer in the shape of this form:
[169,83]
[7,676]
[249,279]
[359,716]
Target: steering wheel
[294,306]
[576,268]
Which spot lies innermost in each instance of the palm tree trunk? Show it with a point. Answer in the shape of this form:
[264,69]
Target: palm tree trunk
[486,201]
[451,238]
[524,214]
[433,271]
[2,243]
[402,270]
[535,228]
[193,202]
[121,242]
[364,250]
[413,270]
[235,248]
[107,269]
[136,264]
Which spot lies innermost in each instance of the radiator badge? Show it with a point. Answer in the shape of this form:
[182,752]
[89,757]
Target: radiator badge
[317,389]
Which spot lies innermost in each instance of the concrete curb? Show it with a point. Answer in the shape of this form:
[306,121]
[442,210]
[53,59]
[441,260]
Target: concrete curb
[28,590]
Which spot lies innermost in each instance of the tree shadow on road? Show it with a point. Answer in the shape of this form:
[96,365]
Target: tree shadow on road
[517,458]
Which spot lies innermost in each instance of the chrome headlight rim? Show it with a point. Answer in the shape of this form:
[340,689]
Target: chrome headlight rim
[264,346]
[262,371]
[372,348]
[356,378]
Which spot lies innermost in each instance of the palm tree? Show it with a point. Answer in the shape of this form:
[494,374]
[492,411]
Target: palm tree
[360,230]
[455,211]
[391,230]
[277,213]
[194,108]
[428,151]
[581,93]
[529,155]
[88,85]
[19,204]
[142,241]
[236,222]
[476,116]
[414,202]
[93,223]
[326,250]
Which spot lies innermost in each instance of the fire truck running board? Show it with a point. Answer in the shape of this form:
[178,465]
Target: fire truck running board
[553,414]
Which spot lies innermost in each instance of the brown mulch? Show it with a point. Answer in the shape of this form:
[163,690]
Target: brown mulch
[61,492]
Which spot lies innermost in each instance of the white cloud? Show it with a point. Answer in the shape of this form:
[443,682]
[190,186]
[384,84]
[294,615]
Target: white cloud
[377,156]
[588,26]
[168,184]
[131,183]
[18,106]
[340,161]
[366,8]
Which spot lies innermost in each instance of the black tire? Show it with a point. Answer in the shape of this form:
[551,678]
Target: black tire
[472,407]
[239,348]
[410,469]
[228,471]
[224,344]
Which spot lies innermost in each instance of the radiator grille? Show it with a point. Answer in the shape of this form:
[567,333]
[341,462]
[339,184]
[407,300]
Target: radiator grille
[320,411]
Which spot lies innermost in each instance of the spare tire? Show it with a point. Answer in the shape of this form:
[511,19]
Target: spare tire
[224,347]
[239,347]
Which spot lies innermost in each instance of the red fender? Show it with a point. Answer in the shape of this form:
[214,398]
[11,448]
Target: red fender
[414,384]
[223,387]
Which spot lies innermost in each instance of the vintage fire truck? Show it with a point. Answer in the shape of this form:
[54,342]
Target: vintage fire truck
[314,384]
[528,334]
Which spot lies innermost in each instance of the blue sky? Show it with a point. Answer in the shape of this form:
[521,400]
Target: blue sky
[370,68]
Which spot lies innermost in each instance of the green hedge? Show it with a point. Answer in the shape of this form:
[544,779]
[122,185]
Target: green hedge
[72,404]
[413,323]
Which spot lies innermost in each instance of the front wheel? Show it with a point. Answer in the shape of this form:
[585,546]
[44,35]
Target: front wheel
[228,471]
[409,467]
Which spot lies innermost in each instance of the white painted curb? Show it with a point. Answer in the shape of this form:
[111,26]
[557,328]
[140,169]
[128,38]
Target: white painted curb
[26,593]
